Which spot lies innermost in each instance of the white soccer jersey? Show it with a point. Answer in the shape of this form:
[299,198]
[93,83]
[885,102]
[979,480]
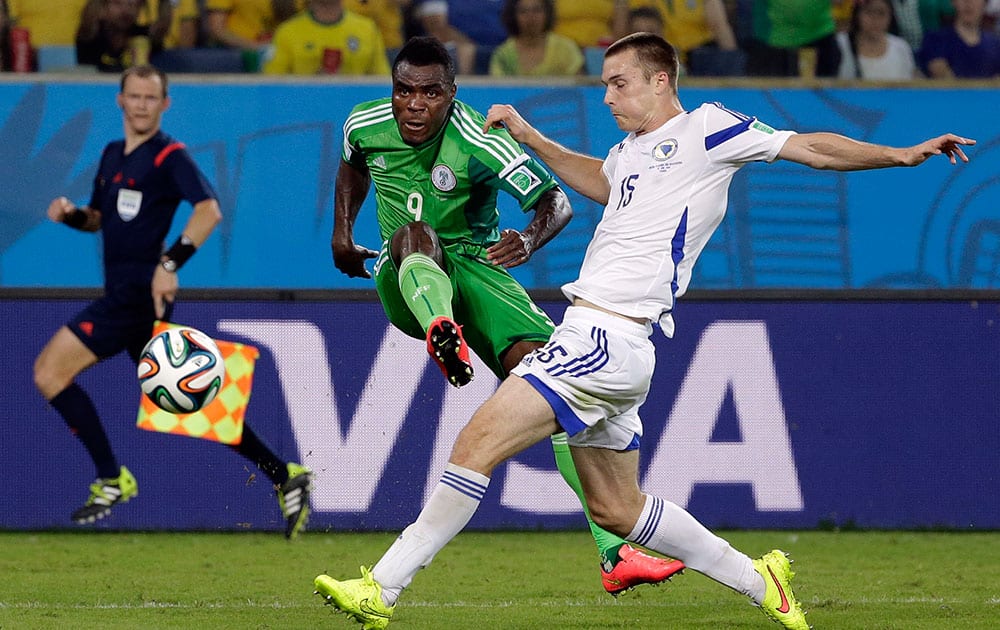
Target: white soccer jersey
[669,190]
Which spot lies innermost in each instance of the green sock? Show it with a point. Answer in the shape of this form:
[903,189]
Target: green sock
[608,544]
[426,288]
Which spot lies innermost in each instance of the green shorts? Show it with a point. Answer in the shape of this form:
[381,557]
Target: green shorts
[494,311]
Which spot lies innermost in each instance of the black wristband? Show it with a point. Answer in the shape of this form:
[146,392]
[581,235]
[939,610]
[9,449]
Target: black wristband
[76,220]
[179,253]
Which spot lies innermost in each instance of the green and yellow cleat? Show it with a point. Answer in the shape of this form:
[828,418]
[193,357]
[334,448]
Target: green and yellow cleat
[104,493]
[293,497]
[360,599]
[779,602]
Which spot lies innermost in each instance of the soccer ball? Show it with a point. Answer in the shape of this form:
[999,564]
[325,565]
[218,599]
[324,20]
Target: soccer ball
[181,370]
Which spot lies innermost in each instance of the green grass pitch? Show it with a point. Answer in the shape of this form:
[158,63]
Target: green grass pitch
[205,581]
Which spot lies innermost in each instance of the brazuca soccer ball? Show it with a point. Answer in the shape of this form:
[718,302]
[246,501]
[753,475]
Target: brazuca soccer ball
[181,370]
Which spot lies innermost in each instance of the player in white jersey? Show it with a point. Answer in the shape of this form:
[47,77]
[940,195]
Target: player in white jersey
[665,189]
[670,184]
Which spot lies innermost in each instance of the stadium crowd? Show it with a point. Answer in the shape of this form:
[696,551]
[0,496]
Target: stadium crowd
[880,40]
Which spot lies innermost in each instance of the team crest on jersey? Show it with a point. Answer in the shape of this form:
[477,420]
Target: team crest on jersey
[353,44]
[665,150]
[443,178]
[129,202]
[522,179]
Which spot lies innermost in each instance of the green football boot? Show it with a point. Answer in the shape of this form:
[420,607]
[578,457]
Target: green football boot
[104,493]
[779,603]
[293,497]
[360,599]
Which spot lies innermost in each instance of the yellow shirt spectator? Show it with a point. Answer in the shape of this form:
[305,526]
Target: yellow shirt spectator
[51,22]
[303,45]
[587,22]
[562,58]
[250,20]
[184,22]
[184,25]
[387,14]
[684,22]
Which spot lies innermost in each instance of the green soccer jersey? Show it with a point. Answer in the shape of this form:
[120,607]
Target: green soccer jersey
[451,181]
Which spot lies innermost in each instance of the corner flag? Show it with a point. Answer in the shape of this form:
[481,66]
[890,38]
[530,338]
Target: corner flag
[222,419]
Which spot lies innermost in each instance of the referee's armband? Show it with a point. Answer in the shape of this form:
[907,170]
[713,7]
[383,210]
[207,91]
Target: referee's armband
[178,254]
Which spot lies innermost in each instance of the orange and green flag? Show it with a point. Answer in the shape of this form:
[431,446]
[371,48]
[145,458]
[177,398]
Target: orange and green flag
[220,420]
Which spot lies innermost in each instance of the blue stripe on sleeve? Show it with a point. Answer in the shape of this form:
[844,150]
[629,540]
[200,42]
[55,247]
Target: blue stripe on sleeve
[736,114]
[719,137]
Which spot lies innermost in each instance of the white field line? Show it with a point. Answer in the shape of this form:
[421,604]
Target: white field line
[601,601]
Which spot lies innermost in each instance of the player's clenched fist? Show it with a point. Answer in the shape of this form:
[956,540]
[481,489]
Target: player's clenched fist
[60,208]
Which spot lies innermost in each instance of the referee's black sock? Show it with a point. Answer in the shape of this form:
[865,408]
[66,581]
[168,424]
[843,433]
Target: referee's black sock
[254,449]
[76,408]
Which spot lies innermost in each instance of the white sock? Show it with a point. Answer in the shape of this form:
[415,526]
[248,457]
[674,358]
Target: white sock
[669,529]
[448,510]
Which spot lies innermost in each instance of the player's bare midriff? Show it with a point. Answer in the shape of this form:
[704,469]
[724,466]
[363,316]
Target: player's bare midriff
[582,302]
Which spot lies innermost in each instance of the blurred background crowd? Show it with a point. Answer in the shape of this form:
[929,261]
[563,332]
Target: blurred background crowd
[877,40]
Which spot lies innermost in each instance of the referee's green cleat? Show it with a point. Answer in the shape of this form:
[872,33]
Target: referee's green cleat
[104,493]
[293,497]
[779,603]
[360,599]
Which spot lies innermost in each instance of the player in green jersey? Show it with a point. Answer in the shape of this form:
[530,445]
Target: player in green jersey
[442,272]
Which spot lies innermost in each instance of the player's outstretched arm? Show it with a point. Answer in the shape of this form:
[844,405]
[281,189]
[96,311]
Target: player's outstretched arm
[62,210]
[580,172]
[832,151]
[349,194]
[552,213]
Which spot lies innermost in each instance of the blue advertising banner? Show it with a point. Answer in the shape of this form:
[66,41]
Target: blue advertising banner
[762,414]
[272,151]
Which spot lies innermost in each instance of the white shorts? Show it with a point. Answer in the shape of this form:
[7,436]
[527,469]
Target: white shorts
[595,372]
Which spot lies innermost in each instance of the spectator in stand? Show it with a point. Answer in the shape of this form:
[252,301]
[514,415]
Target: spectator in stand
[532,48]
[184,26]
[4,41]
[246,24]
[50,22]
[870,48]
[842,10]
[993,14]
[793,37]
[695,25]
[645,20]
[387,14]
[935,14]
[430,17]
[907,14]
[591,22]
[964,50]
[327,39]
[111,38]
[473,26]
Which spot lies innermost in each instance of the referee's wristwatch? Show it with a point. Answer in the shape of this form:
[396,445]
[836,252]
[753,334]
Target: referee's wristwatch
[169,264]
